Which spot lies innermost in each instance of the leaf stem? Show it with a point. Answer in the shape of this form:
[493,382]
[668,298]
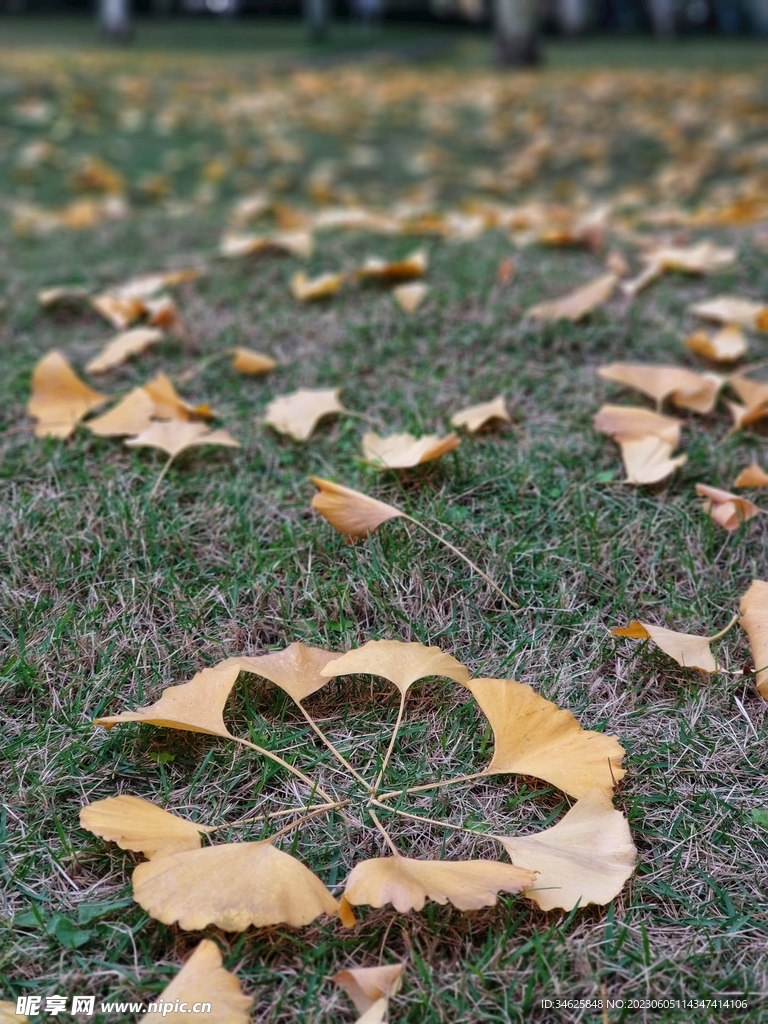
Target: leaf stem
[163,471]
[384,832]
[289,767]
[336,753]
[728,628]
[429,821]
[300,821]
[391,746]
[269,815]
[201,364]
[432,785]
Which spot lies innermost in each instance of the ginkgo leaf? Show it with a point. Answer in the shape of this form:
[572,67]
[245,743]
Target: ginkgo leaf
[367,985]
[753,393]
[120,311]
[686,649]
[308,289]
[131,415]
[353,514]
[141,826]
[577,304]
[744,415]
[195,706]
[168,404]
[620,421]
[535,737]
[399,662]
[730,309]
[700,258]
[407,883]
[297,669]
[247,361]
[202,979]
[121,348]
[8,1014]
[754,620]
[648,460]
[410,296]
[59,398]
[298,414]
[412,266]
[585,858]
[404,451]
[163,312]
[175,436]
[752,476]
[476,416]
[726,509]
[726,346]
[294,243]
[232,886]
[687,389]
[50,298]
[145,286]
[375,1014]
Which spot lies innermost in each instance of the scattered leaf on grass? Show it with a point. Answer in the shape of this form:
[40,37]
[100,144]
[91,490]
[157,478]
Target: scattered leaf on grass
[407,883]
[298,414]
[406,269]
[308,289]
[726,509]
[700,258]
[249,362]
[730,309]
[169,406]
[533,736]
[353,514]
[410,296]
[297,669]
[376,1014]
[8,1014]
[647,460]
[585,858]
[754,620]
[59,398]
[577,304]
[752,476]
[175,436]
[401,663]
[619,421]
[476,416]
[141,826]
[686,649]
[293,243]
[646,439]
[726,346]
[231,886]
[202,979]
[365,986]
[404,451]
[63,297]
[131,415]
[118,310]
[687,389]
[121,348]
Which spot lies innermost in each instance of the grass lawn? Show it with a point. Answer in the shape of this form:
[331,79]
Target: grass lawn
[108,596]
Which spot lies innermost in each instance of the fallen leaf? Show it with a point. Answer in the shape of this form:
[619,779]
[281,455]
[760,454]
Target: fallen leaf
[353,514]
[163,312]
[175,436]
[121,348]
[686,649]
[308,289]
[298,414]
[621,421]
[754,620]
[365,986]
[141,826]
[59,398]
[729,309]
[752,476]
[648,460]
[131,415]
[617,264]
[297,669]
[8,1014]
[410,296]
[505,272]
[476,416]
[293,243]
[399,662]
[145,286]
[407,883]
[412,266]
[585,858]
[726,509]
[202,979]
[247,361]
[231,886]
[404,451]
[195,706]
[533,736]
[687,389]
[169,406]
[53,298]
[577,304]
[701,258]
[376,1014]
[753,393]
[119,311]
[728,345]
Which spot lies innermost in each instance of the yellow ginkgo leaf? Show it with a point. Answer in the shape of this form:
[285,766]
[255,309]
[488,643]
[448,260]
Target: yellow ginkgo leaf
[399,662]
[687,389]
[59,398]
[202,979]
[404,451]
[309,289]
[744,415]
[407,883]
[406,269]
[648,460]
[231,886]
[294,243]
[367,985]
[163,312]
[145,286]
[249,362]
[410,296]
[726,509]
[121,348]
[620,421]
[585,858]
[131,415]
[120,311]
[700,258]
[298,414]
[577,304]
[753,393]
[297,669]
[141,826]
[168,404]
[535,737]
[752,476]
[63,297]
[353,514]
[175,436]
[686,649]
[754,620]
[196,706]
[730,309]
[375,1014]
[476,416]
[726,346]
[8,1014]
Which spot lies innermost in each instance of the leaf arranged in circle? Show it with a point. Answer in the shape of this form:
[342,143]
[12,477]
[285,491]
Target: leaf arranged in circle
[401,663]
[297,669]
[202,979]
[141,826]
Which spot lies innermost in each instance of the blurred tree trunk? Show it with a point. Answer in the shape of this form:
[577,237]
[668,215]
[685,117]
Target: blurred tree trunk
[316,16]
[115,20]
[516,30]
